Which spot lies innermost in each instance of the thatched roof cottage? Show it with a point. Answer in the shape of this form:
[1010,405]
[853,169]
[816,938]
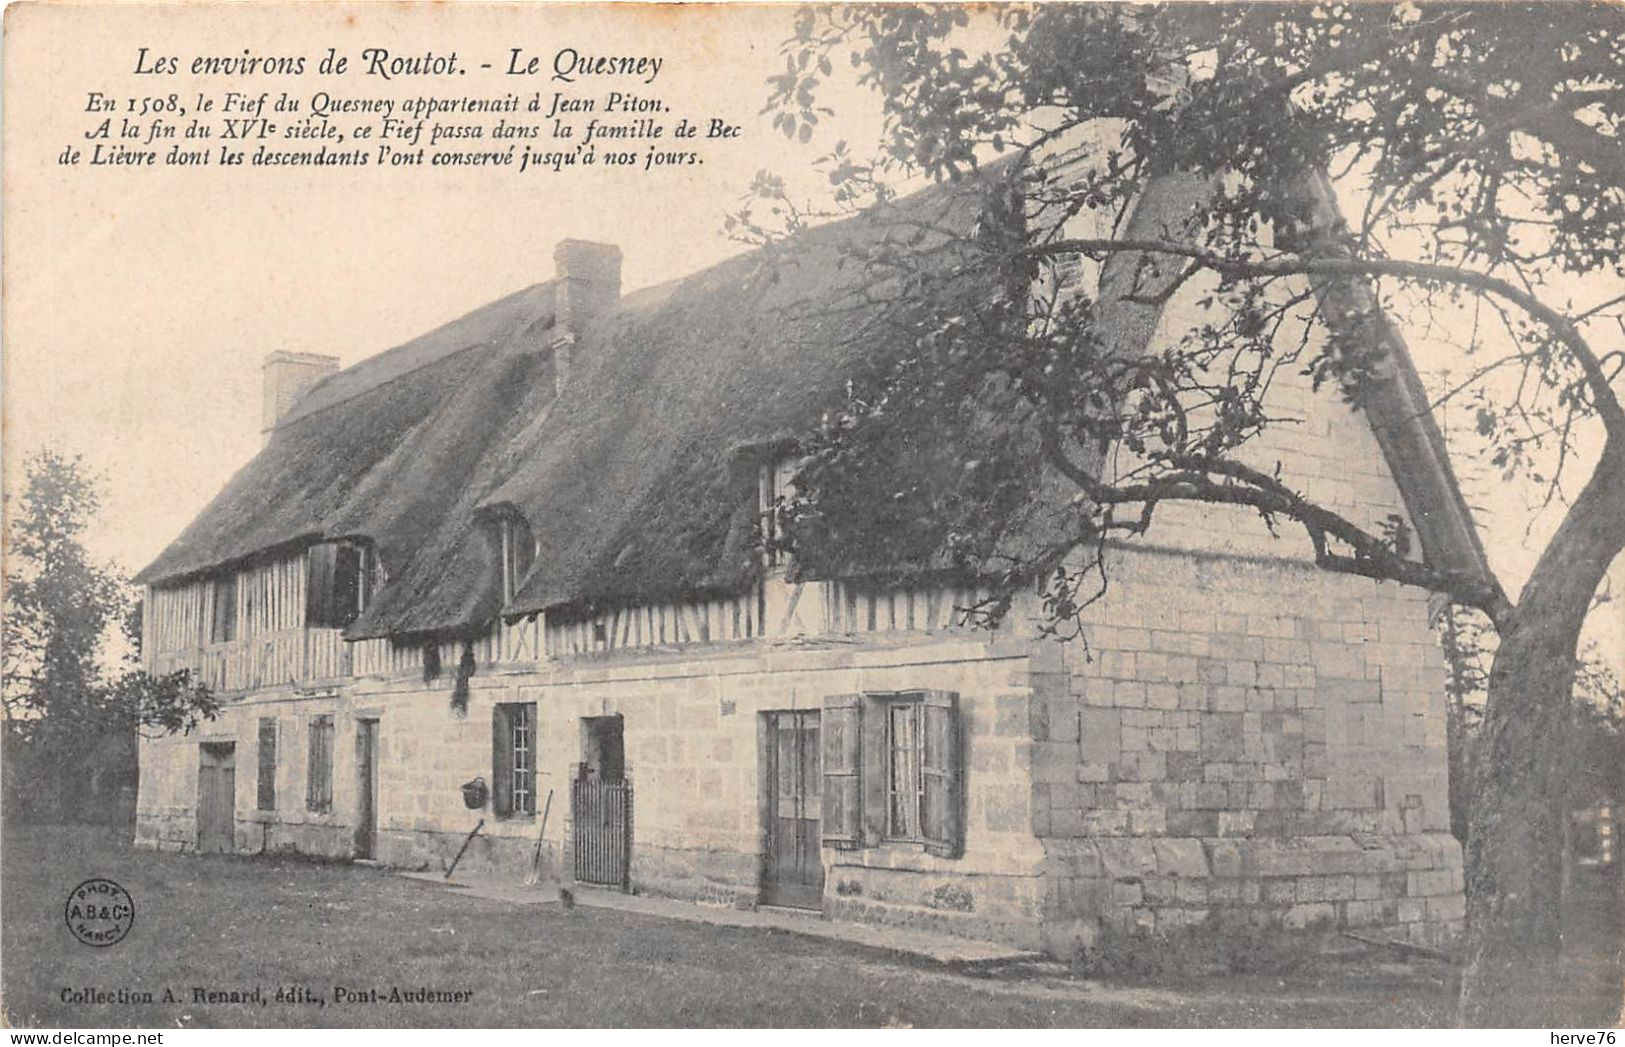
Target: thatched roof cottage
[515,566]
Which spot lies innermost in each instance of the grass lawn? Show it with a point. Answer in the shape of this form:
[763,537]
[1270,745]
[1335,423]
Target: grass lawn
[225,923]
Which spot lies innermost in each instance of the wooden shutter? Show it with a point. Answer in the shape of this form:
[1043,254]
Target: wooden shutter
[322,561]
[841,728]
[266,784]
[313,765]
[876,766]
[501,761]
[346,592]
[319,765]
[224,627]
[942,821]
[368,569]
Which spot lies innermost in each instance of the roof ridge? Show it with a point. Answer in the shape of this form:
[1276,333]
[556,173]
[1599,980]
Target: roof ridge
[313,401]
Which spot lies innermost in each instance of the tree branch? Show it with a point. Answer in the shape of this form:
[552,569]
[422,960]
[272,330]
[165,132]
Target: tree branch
[1191,480]
[1603,395]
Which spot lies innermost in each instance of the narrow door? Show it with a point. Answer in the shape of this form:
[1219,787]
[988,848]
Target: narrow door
[601,805]
[795,870]
[366,829]
[216,797]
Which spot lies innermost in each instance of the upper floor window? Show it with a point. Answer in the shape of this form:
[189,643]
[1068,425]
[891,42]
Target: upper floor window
[338,583]
[518,552]
[223,620]
[777,486]
[1069,275]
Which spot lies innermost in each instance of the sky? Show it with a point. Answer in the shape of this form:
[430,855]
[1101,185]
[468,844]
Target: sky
[139,304]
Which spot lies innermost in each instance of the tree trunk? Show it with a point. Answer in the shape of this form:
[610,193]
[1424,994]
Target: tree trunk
[1514,845]
[1514,840]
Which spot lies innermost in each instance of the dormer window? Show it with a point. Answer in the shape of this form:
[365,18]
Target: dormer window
[776,486]
[518,551]
[1068,271]
[338,583]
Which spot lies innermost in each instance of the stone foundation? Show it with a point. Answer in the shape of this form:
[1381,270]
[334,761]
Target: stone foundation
[999,908]
[1410,887]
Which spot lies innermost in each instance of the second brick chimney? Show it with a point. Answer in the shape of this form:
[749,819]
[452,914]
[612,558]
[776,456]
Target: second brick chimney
[589,282]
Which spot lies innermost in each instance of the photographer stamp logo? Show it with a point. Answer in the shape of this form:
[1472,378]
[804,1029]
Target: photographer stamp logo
[99,912]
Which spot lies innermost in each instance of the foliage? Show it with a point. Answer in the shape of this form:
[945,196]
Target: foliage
[1211,151]
[60,609]
[1599,734]
[1597,716]
[1463,163]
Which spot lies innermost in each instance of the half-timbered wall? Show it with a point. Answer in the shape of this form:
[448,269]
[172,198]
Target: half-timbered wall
[273,646]
[270,599]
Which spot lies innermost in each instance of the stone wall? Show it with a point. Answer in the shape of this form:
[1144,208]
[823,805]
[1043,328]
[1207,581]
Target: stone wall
[1247,737]
[691,721]
[1274,749]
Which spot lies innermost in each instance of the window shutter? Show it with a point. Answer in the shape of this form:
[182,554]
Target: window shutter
[319,765]
[840,727]
[327,763]
[313,765]
[876,767]
[224,627]
[346,584]
[322,561]
[266,784]
[501,761]
[942,820]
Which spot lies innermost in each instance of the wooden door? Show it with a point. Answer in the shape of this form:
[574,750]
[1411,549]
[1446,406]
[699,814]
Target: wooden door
[366,828]
[216,797]
[795,870]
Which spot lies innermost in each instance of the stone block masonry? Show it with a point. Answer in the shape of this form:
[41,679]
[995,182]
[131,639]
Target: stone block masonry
[1205,761]
[1244,739]
[1230,762]
[691,720]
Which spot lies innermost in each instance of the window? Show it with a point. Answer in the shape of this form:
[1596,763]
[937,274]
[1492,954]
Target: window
[319,765]
[1068,274]
[223,625]
[894,769]
[518,553]
[267,764]
[776,487]
[513,759]
[338,584]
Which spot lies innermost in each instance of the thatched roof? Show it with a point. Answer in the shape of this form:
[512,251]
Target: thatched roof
[645,487]
[640,485]
[639,480]
[394,450]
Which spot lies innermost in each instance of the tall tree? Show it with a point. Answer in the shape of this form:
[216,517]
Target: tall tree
[59,605]
[1478,150]
[62,610]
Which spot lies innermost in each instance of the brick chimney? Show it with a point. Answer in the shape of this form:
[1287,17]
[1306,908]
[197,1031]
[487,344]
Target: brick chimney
[286,376]
[589,282]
